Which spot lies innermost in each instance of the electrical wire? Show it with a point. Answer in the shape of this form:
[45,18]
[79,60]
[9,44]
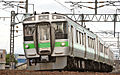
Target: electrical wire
[4,9]
[9,3]
[61,4]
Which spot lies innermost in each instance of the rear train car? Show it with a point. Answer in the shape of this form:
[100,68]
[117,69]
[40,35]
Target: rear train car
[56,42]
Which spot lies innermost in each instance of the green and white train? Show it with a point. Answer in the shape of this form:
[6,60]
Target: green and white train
[56,42]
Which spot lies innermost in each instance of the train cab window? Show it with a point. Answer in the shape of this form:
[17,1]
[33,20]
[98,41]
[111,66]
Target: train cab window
[60,30]
[44,31]
[28,32]
[76,36]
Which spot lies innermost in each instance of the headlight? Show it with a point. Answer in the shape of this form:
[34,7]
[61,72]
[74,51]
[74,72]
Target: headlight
[55,17]
[62,44]
[33,19]
[26,46]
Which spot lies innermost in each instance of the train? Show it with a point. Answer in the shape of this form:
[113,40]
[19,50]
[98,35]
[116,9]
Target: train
[54,41]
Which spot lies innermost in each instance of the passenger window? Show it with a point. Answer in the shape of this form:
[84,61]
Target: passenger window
[105,50]
[76,36]
[72,32]
[80,37]
[101,47]
[93,43]
[88,41]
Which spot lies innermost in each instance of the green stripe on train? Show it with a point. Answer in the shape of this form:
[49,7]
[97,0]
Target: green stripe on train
[46,45]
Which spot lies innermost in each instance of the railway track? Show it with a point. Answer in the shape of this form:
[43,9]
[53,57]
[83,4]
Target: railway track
[31,72]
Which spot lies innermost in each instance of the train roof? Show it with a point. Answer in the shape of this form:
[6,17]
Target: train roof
[45,17]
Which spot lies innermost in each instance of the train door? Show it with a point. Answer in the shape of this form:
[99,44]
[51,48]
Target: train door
[45,38]
[43,31]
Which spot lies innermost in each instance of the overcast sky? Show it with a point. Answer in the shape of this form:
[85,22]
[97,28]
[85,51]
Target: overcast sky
[48,6]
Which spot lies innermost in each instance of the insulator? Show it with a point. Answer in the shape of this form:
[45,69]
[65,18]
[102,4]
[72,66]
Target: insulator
[17,27]
[91,7]
[21,2]
[21,7]
[16,31]
[102,6]
[101,2]
[90,2]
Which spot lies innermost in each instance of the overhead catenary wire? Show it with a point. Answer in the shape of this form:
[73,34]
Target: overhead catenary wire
[62,4]
[9,3]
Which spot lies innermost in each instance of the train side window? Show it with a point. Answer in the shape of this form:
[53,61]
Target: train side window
[80,37]
[88,42]
[93,43]
[105,50]
[101,47]
[76,36]
[72,32]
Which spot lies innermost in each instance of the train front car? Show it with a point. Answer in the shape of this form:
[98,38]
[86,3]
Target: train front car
[45,41]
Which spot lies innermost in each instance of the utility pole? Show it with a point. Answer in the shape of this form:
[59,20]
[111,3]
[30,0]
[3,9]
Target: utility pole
[12,30]
[12,39]
[14,17]
[115,19]
[118,45]
[26,6]
[95,7]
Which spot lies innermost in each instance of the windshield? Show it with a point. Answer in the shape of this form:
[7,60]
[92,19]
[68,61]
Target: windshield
[43,31]
[29,32]
[43,35]
[46,39]
[60,30]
